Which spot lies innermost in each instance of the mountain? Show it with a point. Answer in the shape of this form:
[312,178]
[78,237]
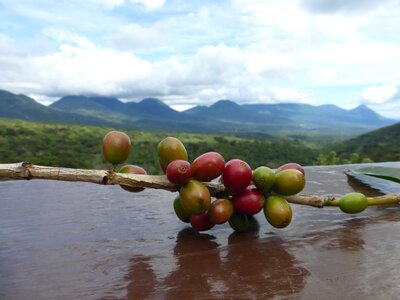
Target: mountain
[222,116]
[149,113]
[362,112]
[324,115]
[21,107]
[296,117]
[299,112]
[228,110]
[114,108]
[196,110]
[25,108]
[157,108]
[379,145]
[81,105]
[110,109]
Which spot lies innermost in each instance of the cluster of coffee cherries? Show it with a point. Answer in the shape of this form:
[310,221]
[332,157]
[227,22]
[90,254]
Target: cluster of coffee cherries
[246,193]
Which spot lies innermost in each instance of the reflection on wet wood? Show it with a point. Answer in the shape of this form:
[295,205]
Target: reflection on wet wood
[245,268]
[64,240]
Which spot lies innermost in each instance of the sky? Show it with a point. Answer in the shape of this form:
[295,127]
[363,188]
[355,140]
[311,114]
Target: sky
[186,53]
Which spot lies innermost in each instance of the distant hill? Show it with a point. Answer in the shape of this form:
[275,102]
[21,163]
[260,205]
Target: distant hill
[222,116]
[292,117]
[309,116]
[157,108]
[229,111]
[379,145]
[25,108]
[149,113]
[112,107]
[362,113]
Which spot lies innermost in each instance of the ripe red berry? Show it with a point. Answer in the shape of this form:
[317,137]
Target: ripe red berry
[248,202]
[208,166]
[237,175]
[201,222]
[179,171]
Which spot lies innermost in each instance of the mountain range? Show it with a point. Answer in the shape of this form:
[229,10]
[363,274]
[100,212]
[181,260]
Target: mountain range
[222,116]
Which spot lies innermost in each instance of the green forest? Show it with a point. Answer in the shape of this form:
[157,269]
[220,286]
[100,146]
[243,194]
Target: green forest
[79,146]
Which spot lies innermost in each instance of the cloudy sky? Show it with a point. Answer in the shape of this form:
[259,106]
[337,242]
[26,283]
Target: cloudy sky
[345,52]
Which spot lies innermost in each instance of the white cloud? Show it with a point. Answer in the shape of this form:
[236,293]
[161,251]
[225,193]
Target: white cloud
[45,100]
[77,68]
[213,65]
[384,99]
[110,4]
[381,94]
[181,107]
[290,95]
[101,71]
[343,6]
[283,14]
[263,63]
[80,67]
[64,36]
[7,45]
[148,4]
[135,36]
[389,109]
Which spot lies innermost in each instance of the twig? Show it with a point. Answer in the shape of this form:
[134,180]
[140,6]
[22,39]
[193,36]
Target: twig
[25,170]
[29,171]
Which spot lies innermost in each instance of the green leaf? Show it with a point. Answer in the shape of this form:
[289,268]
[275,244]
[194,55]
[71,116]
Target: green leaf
[388,173]
[376,183]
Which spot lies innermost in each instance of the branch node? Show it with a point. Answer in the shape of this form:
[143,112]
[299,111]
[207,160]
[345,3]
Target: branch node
[26,170]
[110,177]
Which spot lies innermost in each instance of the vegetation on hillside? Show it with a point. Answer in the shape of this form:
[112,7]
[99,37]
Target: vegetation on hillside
[79,146]
[378,145]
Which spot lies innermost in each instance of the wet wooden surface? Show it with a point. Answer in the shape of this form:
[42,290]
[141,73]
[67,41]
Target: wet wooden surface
[61,240]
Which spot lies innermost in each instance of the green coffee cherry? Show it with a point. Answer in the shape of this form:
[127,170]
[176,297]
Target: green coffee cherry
[353,203]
